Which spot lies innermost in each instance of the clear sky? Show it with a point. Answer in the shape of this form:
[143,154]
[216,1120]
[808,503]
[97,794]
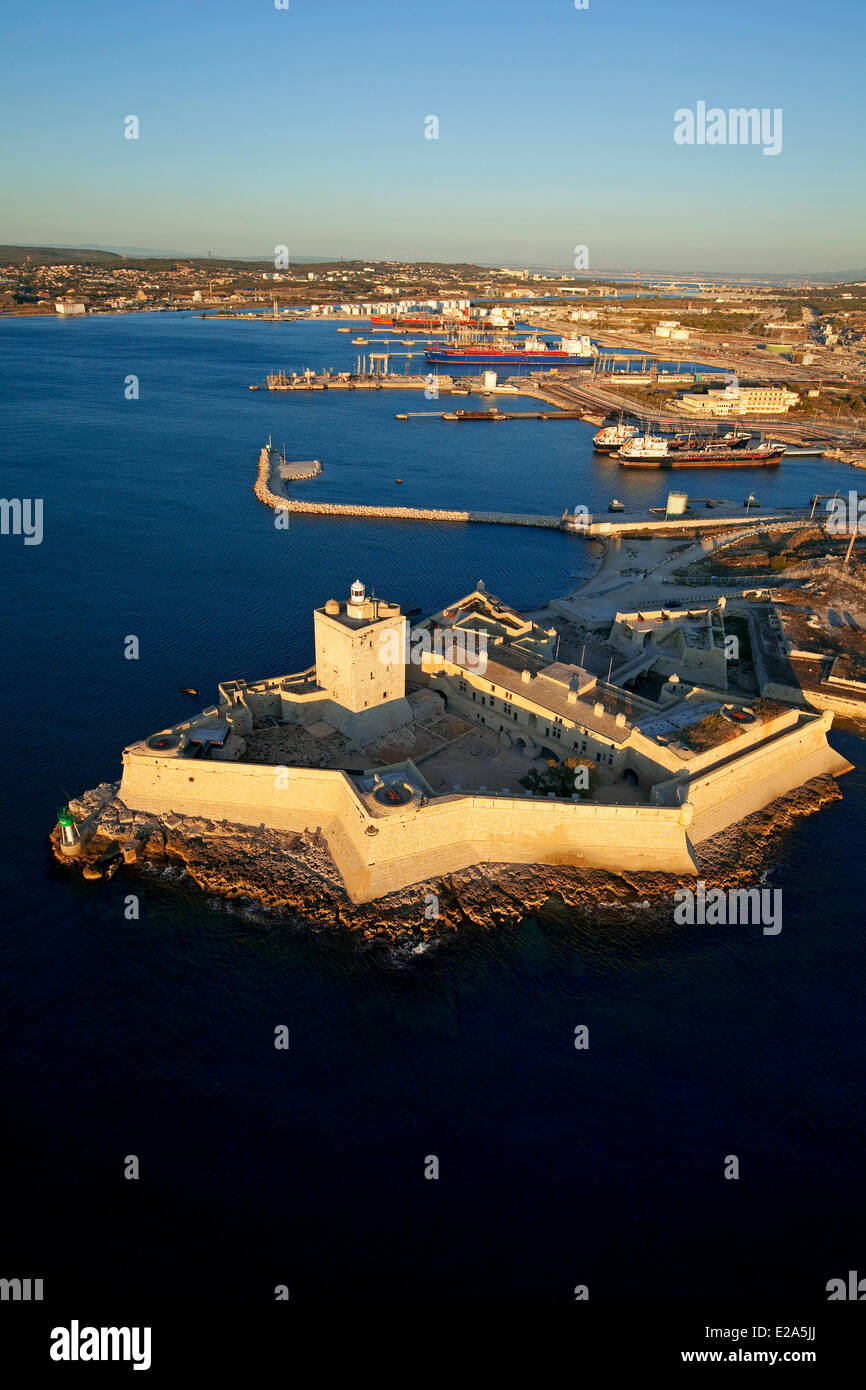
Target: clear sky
[306,127]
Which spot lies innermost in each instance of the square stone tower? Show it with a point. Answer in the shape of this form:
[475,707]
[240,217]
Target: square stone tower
[360,664]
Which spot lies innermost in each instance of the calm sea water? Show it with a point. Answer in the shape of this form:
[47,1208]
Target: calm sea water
[155,1037]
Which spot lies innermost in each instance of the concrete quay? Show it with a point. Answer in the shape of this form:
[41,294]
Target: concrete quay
[640,524]
[348,381]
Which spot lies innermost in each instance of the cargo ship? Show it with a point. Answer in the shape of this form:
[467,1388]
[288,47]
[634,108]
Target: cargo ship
[572,352]
[734,439]
[428,322]
[615,437]
[415,321]
[653,451]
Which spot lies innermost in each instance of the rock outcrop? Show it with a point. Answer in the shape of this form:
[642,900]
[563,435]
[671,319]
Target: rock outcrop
[293,875]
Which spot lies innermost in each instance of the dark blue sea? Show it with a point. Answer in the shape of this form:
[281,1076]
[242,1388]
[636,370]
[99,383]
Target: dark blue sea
[155,1037]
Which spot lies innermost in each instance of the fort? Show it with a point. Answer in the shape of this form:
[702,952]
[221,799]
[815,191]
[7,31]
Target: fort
[411,760]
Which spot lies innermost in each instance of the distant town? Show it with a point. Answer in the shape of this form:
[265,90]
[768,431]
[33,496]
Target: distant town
[800,346]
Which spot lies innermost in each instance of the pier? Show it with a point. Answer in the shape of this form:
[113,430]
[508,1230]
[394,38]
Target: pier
[353,381]
[476,415]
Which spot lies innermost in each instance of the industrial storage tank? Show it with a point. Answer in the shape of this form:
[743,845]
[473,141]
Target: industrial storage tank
[677,504]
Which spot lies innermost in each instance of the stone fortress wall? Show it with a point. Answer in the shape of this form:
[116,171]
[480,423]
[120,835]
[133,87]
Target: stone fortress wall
[378,853]
[381,853]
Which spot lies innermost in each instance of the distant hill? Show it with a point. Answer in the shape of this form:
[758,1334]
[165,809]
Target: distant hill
[102,255]
[781,278]
[55,255]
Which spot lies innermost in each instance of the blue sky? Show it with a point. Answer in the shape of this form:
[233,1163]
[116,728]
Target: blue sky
[305,127]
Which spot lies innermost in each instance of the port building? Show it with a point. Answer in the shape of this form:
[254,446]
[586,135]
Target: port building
[745,400]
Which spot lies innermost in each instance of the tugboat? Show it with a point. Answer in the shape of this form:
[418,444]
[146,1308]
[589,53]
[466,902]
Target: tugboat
[613,437]
[615,505]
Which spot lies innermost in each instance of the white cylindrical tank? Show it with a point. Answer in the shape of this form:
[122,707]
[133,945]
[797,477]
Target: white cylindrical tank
[677,503]
[489,381]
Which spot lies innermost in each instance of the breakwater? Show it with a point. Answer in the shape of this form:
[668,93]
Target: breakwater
[270,490]
[266,482]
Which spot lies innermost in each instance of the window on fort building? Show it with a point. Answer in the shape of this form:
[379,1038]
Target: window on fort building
[598,757]
[515,718]
[384,694]
[474,695]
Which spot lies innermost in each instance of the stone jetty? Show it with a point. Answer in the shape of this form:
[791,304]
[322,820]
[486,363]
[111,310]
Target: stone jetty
[267,481]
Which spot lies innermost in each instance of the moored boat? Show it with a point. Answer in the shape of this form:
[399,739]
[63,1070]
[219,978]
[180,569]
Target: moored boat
[654,451]
[574,352]
[613,437]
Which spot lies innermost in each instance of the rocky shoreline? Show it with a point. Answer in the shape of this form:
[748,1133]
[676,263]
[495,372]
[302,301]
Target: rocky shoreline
[292,876]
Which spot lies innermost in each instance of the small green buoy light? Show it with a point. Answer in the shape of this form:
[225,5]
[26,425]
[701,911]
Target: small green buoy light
[70,836]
